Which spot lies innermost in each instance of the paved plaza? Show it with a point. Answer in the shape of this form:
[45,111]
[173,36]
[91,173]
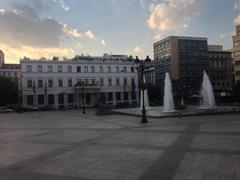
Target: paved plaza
[67,145]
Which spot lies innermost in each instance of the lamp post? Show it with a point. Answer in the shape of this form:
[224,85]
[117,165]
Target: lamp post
[83,98]
[140,69]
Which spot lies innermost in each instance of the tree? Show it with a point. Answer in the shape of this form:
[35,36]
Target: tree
[155,94]
[8,91]
[236,91]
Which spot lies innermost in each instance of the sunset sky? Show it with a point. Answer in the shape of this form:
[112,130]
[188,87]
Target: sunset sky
[37,28]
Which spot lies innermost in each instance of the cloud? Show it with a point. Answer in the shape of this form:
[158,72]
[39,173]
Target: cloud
[24,27]
[23,30]
[13,53]
[89,34]
[137,50]
[237,5]
[226,35]
[103,42]
[171,15]
[237,20]
[62,4]
[71,31]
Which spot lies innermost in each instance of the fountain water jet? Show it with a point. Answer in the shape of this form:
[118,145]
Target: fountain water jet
[168,104]
[208,99]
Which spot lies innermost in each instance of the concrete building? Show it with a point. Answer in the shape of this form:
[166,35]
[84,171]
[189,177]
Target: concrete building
[220,69]
[236,54]
[185,58]
[58,83]
[9,70]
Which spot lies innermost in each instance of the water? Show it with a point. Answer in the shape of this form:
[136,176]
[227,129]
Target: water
[168,104]
[208,99]
[146,101]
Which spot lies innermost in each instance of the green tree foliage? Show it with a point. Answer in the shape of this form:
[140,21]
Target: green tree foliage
[155,95]
[236,91]
[8,91]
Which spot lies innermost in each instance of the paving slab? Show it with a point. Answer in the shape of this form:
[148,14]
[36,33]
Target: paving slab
[62,145]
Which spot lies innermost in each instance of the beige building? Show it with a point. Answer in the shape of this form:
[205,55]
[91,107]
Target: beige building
[236,53]
[220,69]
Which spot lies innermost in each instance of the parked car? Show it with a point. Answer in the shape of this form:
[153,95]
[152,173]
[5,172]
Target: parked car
[5,110]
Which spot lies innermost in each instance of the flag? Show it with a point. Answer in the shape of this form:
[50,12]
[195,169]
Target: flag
[45,87]
[133,88]
[34,88]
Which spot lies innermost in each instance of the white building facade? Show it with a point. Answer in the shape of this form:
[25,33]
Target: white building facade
[111,79]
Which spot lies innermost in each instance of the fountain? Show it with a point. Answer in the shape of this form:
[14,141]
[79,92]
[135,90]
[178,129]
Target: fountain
[169,110]
[208,99]
[168,104]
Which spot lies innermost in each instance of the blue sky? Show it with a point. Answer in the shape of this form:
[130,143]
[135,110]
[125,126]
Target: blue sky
[37,28]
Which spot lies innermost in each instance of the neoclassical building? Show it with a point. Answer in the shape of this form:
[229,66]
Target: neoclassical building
[66,83]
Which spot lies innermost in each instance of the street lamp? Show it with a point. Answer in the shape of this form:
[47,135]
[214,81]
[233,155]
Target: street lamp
[83,98]
[140,68]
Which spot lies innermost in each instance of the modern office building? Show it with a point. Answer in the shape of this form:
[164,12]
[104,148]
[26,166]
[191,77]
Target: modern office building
[185,58]
[236,54]
[220,69]
[70,82]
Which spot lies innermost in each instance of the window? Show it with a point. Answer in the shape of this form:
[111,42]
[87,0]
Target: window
[109,69]
[133,94]
[40,83]
[61,99]
[125,96]
[50,69]
[92,69]
[85,69]
[15,74]
[118,96]
[117,82]
[29,99]
[101,82]
[59,68]
[60,83]
[69,82]
[125,82]
[237,53]
[78,68]
[110,96]
[86,81]
[29,83]
[70,98]
[93,82]
[69,68]
[51,99]
[110,82]
[40,99]
[50,83]
[29,68]
[117,69]
[101,69]
[236,43]
[132,69]
[124,69]
[39,68]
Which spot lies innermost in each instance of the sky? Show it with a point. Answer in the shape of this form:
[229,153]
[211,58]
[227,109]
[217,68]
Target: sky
[64,28]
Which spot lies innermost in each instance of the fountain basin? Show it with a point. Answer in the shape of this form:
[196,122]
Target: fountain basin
[157,112]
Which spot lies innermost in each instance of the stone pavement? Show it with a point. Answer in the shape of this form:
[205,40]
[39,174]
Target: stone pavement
[67,145]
